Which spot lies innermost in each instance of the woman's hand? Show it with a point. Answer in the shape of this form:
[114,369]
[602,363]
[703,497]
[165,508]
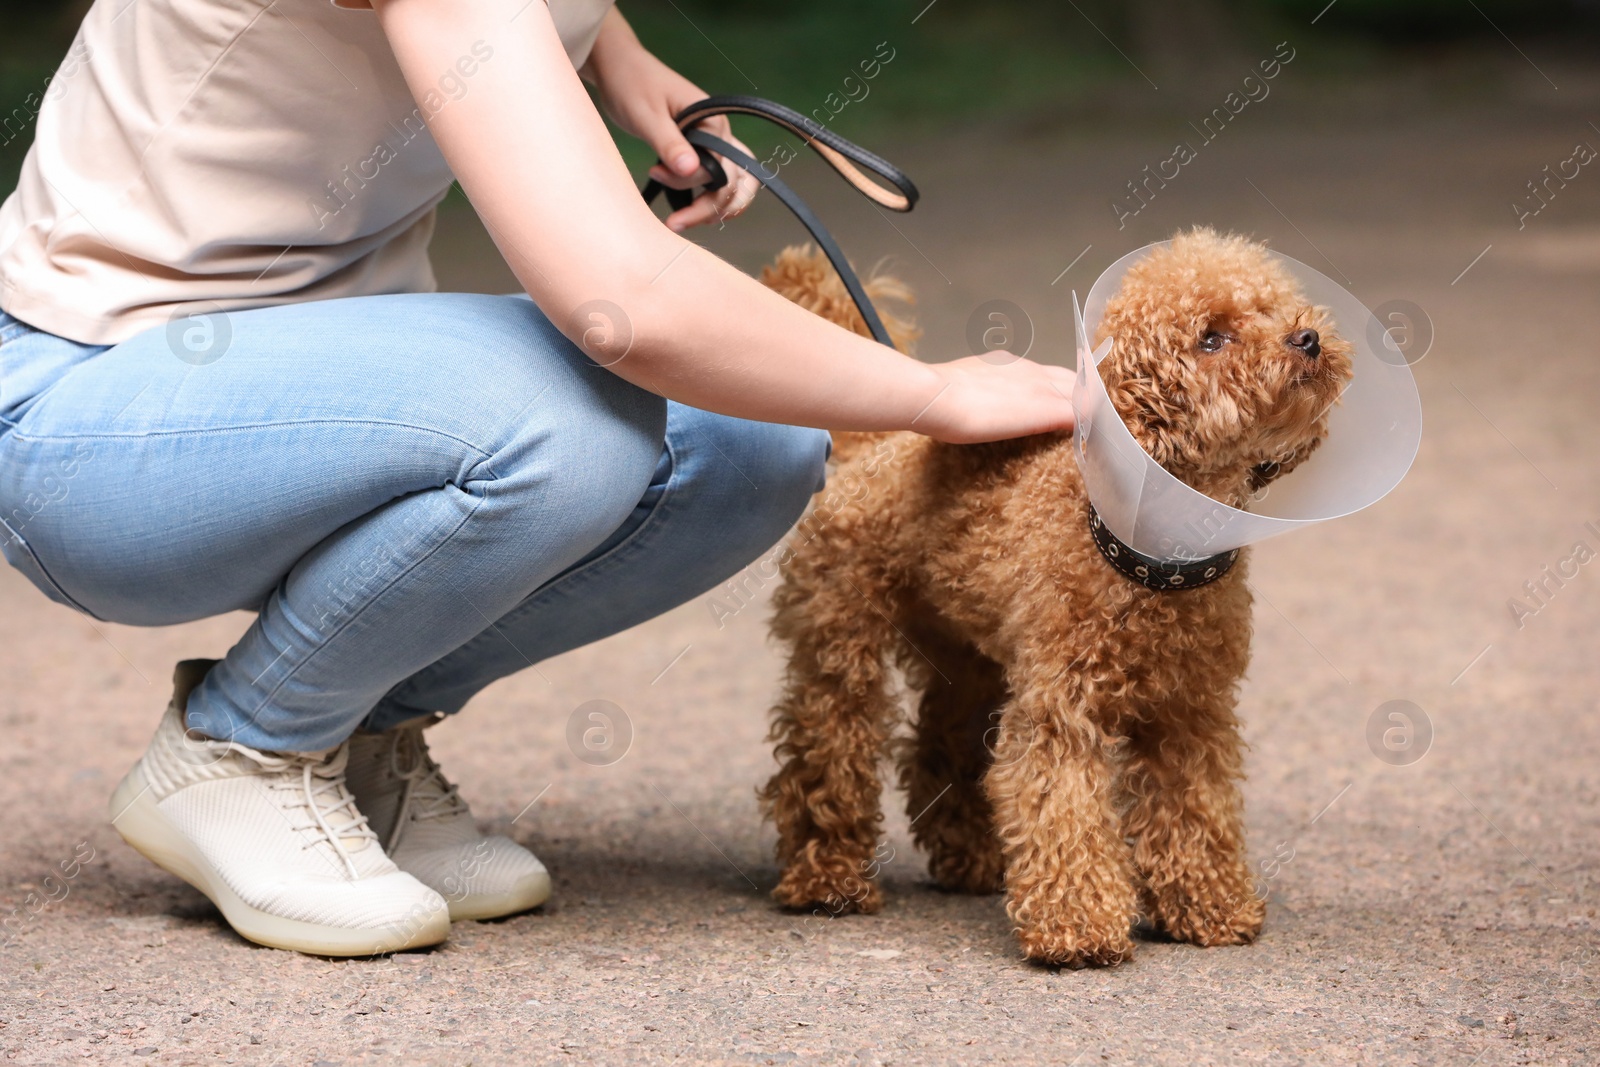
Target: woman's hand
[984,401]
[642,94]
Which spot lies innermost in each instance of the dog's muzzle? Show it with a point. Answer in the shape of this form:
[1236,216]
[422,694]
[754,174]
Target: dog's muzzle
[1152,573]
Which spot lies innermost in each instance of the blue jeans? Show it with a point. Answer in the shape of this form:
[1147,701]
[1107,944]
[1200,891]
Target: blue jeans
[417,494]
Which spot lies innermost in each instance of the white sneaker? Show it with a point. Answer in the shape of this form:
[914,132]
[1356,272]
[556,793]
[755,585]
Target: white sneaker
[274,839]
[427,829]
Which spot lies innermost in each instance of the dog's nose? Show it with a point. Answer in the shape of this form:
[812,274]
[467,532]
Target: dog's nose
[1305,341]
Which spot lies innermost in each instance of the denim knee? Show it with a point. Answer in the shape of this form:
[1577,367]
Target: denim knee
[795,461]
[584,480]
[778,470]
[573,449]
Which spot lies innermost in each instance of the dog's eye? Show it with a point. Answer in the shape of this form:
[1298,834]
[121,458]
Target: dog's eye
[1212,341]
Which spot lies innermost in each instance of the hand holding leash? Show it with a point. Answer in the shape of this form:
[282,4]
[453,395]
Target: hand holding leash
[723,195]
[871,175]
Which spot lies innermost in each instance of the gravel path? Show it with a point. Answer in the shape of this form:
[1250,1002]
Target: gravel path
[1440,911]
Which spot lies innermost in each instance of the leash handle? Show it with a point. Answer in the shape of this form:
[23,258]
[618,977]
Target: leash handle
[895,192]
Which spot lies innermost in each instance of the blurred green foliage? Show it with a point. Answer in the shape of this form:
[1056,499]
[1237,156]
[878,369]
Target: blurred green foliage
[1424,21]
[960,60]
[952,60]
[967,60]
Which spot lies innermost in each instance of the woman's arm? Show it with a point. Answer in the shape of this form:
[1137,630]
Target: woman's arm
[535,158]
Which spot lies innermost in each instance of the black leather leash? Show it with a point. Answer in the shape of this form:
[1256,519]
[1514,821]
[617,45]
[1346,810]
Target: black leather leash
[845,157]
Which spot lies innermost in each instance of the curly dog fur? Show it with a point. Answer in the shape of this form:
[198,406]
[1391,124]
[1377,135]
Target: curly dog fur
[1075,740]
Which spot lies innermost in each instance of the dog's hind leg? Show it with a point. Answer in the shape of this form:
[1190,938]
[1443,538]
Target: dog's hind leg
[1069,877]
[1183,813]
[942,766]
[831,726]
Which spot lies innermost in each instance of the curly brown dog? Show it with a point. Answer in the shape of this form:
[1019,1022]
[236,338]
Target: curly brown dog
[1075,741]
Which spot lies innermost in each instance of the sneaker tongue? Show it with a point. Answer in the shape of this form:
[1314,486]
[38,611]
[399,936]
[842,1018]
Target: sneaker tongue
[335,803]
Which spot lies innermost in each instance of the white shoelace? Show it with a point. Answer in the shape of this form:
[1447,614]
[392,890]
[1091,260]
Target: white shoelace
[320,792]
[427,793]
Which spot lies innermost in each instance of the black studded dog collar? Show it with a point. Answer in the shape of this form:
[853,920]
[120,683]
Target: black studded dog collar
[1152,573]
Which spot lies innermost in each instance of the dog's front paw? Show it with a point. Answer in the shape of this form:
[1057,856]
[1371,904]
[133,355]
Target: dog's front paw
[1086,929]
[1226,919]
[1096,945]
[1077,915]
[835,889]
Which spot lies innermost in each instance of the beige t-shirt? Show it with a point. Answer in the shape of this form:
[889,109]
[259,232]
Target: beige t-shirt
[197,154]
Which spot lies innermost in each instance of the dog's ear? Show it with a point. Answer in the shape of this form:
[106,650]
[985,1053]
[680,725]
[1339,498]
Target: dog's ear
[1142,381]
[802,274]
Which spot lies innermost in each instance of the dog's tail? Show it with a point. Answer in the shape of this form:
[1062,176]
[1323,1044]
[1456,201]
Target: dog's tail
[803,274]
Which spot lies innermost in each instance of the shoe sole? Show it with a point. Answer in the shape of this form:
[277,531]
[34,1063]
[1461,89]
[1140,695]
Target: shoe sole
[142,825]
[529,893]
